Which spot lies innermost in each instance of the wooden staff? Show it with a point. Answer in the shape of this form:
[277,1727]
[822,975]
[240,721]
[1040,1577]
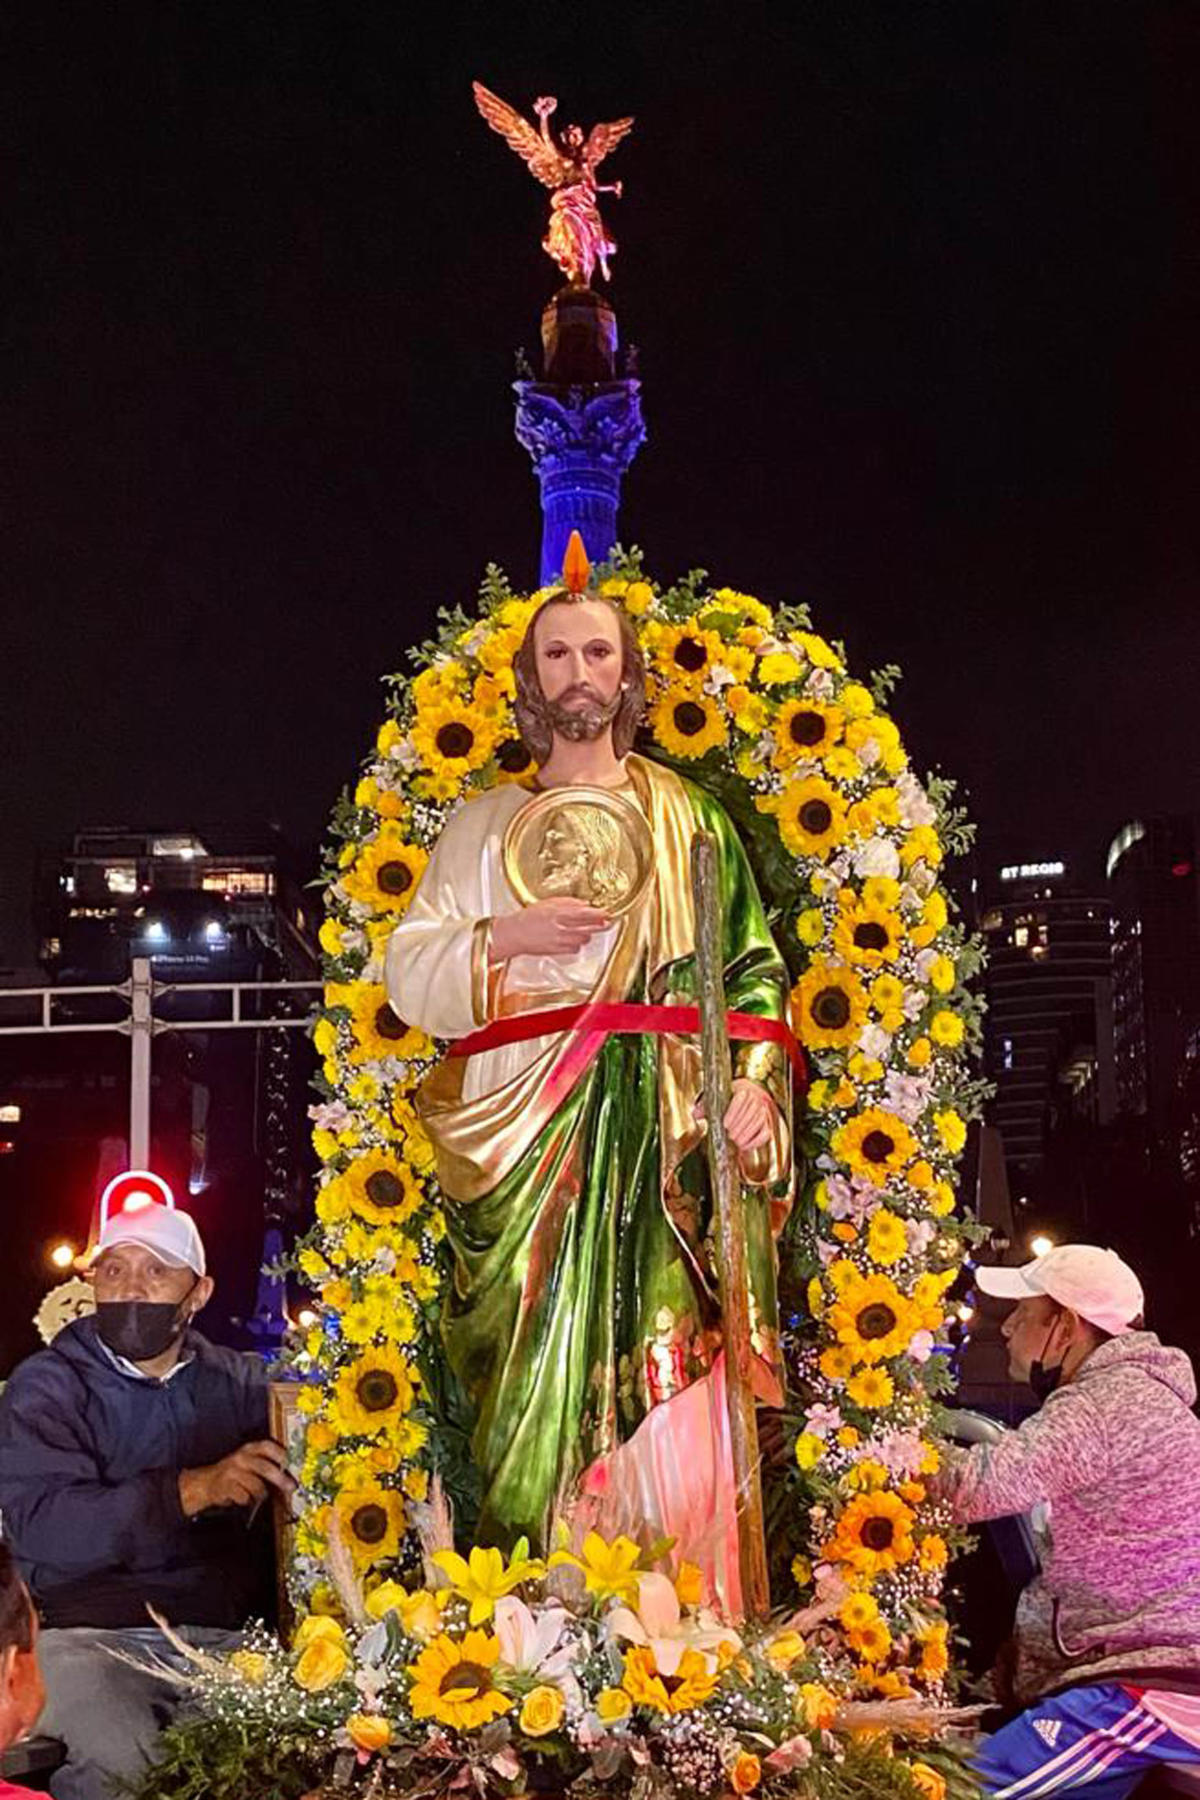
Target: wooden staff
[730,1228]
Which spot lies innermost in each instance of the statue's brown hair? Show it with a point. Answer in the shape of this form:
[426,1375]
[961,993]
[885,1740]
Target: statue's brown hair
[530,707]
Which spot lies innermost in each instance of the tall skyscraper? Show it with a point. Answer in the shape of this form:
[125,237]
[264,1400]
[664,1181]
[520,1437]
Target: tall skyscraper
[1048,1029]
[1156,963]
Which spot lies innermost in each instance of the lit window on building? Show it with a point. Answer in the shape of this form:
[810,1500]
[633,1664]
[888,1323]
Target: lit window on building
[1006,1053]
[238,881]
[1020,936]
[181,844]
[121,878]
[10,1114]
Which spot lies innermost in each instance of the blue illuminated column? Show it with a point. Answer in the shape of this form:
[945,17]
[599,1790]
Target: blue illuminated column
[581,424]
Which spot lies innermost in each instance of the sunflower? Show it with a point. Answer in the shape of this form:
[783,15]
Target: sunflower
[453,1684]
[871,1318]
[805,729]
[371,1519]
[513,761]
[687,724]
[812,817]
[382,1190]
[453,736]
[387,871]
[379,1031]
[373,1392]
[873,1535]
[876,1144]
[690,1685]
[684,654]
[865,932]
[828,1006]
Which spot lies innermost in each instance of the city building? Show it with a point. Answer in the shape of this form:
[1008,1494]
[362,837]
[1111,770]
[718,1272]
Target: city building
[1156,964]
[1048,1036]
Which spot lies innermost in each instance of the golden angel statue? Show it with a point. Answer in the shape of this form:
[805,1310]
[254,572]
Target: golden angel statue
[577,238]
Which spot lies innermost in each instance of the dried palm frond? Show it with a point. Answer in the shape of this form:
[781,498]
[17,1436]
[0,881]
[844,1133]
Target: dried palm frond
[343,1574]
[434,1522]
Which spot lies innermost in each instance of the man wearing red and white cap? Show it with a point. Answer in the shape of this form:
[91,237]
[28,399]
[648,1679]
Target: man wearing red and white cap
[133,1455]
[1107,1641]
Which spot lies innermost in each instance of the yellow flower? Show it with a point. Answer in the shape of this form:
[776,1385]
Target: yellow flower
[845,1233]
[782,1650]
[857,1610]
[453,736]
[887,1240]
[921,845]
[801,1571]
[941,1201]
[941,975]
[421,1612]
[951,1129]
[374,1391]
[809,1449]
[325,1037]
[820,654]
[864,1068]
[609,1570]
[871,1642]
[729,600]
[935,1655]
[872,1318]
[453,1684]
[935,912]
[866,933]
[317,1625]
[321,1663]
[542,1711]
[386,872]
[613,1704]
[321,1436]
[685,654]
[372,1520]
[848,1437]
[779,668]
[748,711]
[871,1388]
[947,1029]
[856,700]
[817,1706]
[378,1029]
[482,1578]
[919,1053]
[931,1784]
[919,1175]
[810,926]
[811,817]
[388,736]
[875,1143]
[877,729]
[687,724]
[689,1686]
[836,1363]
[381,1190]
[842,764]
[746,1772]
[250,1665]
[828,1006]
[933,1554]
[873,1534]
[805,729]
[368,1731]
[639,598]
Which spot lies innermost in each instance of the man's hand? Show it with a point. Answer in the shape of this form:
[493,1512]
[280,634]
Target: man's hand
[547,928]
[240,1479]
[750,1116]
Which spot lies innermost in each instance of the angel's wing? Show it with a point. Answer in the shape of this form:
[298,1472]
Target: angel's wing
[544,163]
[603,138]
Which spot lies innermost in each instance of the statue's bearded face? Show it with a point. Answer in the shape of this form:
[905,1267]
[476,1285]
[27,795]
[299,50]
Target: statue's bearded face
[579,673]
[577,653]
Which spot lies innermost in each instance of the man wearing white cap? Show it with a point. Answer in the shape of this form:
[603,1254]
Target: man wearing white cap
[133,1454]
[1107,1640]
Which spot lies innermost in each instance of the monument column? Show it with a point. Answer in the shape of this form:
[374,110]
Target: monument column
[581,424]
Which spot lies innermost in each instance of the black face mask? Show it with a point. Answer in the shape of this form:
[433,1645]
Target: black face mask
[1044,1380]
[140,1330]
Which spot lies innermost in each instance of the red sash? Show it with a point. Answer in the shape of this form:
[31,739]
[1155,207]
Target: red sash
[629,1017]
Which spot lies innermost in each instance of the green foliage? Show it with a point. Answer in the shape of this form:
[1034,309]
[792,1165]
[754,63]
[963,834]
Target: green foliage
[219,1759]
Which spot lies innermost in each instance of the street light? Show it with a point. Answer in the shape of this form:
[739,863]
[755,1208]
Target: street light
[1041,1245]
[61,1255]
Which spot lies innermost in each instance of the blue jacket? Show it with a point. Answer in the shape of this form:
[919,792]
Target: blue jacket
[89,1494]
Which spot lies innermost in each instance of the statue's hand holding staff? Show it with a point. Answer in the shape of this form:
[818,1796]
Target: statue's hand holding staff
[750,1116]
[555,927]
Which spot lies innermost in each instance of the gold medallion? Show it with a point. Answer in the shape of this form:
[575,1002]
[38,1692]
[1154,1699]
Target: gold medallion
[579,843]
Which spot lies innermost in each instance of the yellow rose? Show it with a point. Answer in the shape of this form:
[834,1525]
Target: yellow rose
[542,1711]
[315,1627]
[385,1598]
[368,1731]
[324,1662]
[745,1773]
[817,1706]
[783,1650]
[613,1704]
[689,1584]
[250,1665]
[931,1784]
[421,1613]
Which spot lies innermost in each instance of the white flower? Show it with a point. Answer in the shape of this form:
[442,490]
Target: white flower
[659,1624]
[920,1234]
[331,1115]
[821,1420]
[527,1639]
[906,1095]
[916,808]
[878,856]
[875,1042]
[819,685]
[921,1347]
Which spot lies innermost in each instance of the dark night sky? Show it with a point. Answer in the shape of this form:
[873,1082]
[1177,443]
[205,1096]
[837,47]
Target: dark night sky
[915,288]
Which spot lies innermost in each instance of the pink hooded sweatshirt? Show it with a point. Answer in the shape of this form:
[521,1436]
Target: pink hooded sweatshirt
[1115,1453]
